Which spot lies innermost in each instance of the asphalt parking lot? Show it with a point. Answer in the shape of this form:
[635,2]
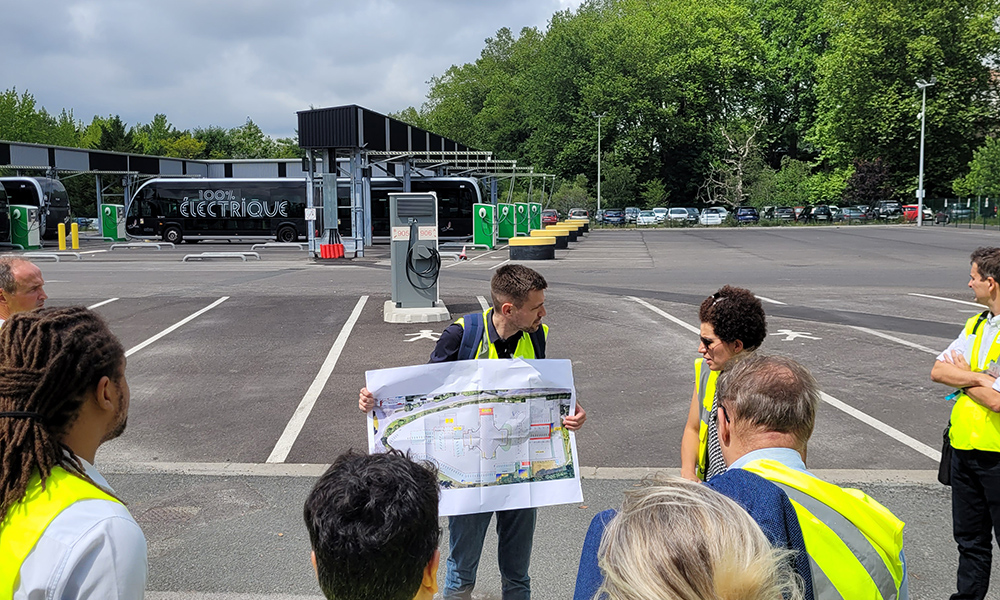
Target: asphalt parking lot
[225,437]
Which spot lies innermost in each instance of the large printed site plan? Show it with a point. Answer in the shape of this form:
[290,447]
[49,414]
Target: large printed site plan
[483,437]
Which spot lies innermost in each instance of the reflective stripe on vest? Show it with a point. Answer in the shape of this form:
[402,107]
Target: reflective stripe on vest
[27,520]
[973,426]
[705,380]
[525,348]
[853,549]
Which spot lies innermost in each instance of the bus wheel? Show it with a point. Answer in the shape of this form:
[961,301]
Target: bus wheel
[172,235]
[287,234]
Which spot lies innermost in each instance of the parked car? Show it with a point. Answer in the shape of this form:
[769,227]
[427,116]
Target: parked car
[888,209]
[820,213]
[711,216]
[661,214]
[954,212]
[678,214]
[693,214]
[550,216]
[910,212]
[785,213]
[579,214]
[850,214]
[599,217]
[631,214]
[646,217]
[746,214]
[614,216]
[801,213]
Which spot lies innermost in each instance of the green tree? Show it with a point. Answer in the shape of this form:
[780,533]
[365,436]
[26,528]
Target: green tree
[116,136]
[152,137]
[571,193]
[218,141]
[249,141]
[983,178]
[184,146]
[868,100]
[654,193]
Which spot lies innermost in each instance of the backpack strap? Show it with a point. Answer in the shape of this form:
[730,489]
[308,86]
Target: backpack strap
[472,333]
[979,321]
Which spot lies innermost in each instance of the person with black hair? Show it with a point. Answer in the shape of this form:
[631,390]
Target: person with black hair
[63,393]
[969,365]
[511,328]
[373,526]
[732,324]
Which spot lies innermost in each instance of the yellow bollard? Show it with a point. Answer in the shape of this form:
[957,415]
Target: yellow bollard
[62,236]
[75,235]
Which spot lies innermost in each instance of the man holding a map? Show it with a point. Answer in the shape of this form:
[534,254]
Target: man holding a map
[512,328]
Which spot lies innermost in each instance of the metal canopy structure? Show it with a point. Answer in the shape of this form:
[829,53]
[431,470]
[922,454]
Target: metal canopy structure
[363,138]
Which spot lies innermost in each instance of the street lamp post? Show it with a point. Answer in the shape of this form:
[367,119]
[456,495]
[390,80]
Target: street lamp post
[923,85]
[599,117]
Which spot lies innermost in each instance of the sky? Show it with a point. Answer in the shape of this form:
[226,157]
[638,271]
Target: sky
[217,62]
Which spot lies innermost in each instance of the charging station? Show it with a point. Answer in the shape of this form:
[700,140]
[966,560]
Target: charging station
[522,219]
[415,261]
[25,227]
[113,222]
[535,216]
[484,225]
[505,222]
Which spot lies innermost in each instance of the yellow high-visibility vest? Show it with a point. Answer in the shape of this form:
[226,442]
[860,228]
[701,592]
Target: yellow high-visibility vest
[973,426]
[704,385]
[26,521]
[854,543]
[486,349]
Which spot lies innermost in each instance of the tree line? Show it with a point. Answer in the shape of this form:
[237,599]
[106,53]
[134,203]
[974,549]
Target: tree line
[766,102]
[22,120]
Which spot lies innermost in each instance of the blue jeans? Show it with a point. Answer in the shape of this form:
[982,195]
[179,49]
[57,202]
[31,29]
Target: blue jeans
[515,528]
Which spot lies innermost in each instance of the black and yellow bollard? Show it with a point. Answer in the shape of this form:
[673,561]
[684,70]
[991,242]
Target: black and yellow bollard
[532,248]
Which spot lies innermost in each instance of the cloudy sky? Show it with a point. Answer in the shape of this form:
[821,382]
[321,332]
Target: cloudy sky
[217,62]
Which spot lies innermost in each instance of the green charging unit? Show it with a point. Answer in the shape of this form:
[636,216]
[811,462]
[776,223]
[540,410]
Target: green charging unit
[25,227]
[523,218]
[535,215]
[113,222]
[506,224]
[484,225]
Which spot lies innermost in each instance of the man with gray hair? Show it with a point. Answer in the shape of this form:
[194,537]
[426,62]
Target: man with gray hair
[20,287]
[767,410]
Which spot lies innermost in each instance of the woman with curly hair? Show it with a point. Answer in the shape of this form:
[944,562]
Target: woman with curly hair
[732,324]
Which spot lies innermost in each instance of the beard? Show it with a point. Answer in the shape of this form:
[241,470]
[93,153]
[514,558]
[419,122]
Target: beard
[121,419]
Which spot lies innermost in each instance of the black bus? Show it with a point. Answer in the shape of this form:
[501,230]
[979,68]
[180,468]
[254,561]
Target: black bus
[178,209]
[47,194]
[455,195]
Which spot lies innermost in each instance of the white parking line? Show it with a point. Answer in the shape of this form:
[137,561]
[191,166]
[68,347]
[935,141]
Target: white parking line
[108,301]
[890,431]
[477,257]
[665,315]
[947,299]
[500,264]
[298,420]
[771,301]
[896,339]
[483,302]
[857,414]
[135,349]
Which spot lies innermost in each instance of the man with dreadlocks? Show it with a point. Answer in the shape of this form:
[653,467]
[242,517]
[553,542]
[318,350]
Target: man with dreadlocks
[64,534]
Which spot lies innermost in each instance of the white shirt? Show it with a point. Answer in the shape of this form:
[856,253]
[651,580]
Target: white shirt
[963,343]
[93,549]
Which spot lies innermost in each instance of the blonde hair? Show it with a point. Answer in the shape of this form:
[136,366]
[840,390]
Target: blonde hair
[679,540]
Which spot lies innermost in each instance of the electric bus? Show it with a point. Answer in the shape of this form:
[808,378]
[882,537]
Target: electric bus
[47,194]
[192,209]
